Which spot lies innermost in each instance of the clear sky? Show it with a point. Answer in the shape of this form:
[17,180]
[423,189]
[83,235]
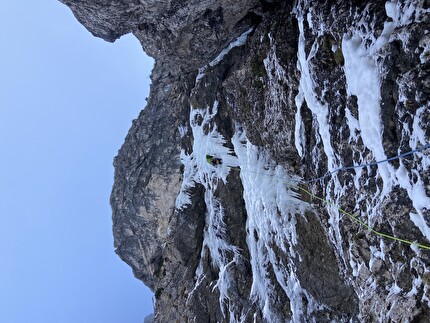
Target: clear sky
[67,100]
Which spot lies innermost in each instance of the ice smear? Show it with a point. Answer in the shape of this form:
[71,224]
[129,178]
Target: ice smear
[418,135]
[196,168]
[353,125]
[411,181]
[276,97]
[391,10]
[363,81]
[306,92]
[239,41]
[395,290]
[208,141]
[320,112]
[419,221]
[404,13]
[363,76]
[299,129]
[376,254]
[272,207]
[188,181]
[425,55]
[182,131]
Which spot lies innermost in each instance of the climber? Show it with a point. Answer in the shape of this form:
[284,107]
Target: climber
[213,160]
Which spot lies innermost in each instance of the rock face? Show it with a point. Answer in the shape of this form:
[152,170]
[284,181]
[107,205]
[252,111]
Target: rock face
[284,93]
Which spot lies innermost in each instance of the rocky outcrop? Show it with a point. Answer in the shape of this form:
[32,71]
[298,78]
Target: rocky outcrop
[187,33]
[283,92]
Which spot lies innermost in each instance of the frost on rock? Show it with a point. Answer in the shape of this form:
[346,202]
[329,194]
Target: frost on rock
[364,55]
[208,141]
[272,206]
[196,167]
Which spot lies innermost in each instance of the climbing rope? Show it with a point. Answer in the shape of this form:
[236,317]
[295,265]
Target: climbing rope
[350,215]
[354,218]
[368,164]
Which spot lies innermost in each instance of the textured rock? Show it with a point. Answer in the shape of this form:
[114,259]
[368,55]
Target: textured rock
[149,319]
[277,89]
[188,32]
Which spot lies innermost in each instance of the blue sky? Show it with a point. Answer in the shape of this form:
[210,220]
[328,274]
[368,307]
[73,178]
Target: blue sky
[67,100]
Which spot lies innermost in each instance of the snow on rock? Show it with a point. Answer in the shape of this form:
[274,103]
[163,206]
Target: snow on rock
[363,81]
[239,41]
[198,170]
[196,167]
[306,91]
[272,206]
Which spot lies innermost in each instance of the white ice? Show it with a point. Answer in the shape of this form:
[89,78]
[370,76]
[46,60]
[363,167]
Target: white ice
[363,81]
[306,92]
[196,168]
[272,207]
[239,41]
[208,141]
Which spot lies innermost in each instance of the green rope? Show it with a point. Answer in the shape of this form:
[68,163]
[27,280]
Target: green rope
[385,235]
[354,218]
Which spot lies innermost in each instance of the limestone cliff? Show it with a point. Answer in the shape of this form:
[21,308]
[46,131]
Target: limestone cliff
[293,96]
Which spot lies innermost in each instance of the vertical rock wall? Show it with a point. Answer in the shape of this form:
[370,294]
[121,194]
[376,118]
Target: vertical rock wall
[283,92]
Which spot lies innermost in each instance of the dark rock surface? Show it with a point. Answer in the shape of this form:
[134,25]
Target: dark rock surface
[245,251]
